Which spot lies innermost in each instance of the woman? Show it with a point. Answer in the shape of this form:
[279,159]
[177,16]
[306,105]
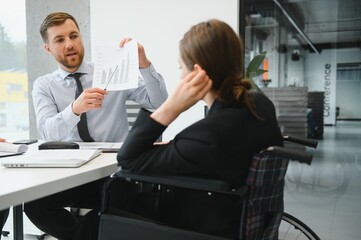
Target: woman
[220,146]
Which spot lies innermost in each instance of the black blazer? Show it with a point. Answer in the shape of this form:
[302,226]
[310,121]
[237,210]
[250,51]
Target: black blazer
[220,146]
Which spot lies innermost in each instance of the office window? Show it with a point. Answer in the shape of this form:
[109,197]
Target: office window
[14,112]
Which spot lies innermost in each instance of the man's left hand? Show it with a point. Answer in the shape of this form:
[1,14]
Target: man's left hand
[143,60]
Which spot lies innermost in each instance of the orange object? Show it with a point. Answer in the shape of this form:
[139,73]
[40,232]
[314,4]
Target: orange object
[265,67]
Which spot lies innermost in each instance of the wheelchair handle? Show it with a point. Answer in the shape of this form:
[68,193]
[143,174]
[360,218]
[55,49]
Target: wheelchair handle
[303,141]
[300,156]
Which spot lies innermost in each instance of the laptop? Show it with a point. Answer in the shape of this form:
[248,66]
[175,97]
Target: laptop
[106,147]
[64,158]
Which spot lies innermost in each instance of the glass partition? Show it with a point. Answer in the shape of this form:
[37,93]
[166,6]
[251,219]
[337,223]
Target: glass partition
[14,113]
[308,44]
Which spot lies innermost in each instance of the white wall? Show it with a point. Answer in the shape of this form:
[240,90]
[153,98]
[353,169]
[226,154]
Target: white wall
[320,75]
[158,25]
[345,94]
[348,95]
[349,55]
[348,99]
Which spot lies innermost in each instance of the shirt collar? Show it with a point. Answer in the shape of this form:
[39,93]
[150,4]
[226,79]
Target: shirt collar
[84,68]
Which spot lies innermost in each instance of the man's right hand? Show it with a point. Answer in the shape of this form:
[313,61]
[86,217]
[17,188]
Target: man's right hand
[91,98]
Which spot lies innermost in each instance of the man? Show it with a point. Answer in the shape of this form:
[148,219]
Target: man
[59,115]
[53,94]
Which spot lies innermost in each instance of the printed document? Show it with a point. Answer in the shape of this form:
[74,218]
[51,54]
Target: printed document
[116,68]
[9,149]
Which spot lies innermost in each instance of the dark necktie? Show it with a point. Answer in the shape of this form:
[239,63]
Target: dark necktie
[82,124]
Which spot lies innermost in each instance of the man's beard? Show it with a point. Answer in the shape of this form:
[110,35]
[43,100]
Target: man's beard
[72,64]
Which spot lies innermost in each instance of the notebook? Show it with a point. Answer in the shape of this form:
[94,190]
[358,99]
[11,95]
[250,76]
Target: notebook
[64,158]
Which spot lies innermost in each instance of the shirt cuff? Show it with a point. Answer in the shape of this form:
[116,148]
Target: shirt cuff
[70,117]
[149,72]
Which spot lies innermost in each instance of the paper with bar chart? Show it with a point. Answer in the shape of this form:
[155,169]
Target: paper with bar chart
[116,68]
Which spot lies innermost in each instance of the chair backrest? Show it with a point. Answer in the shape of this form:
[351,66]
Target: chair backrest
[133,109]
[265,203]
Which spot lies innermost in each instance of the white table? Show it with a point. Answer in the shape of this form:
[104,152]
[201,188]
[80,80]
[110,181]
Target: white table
[19,185]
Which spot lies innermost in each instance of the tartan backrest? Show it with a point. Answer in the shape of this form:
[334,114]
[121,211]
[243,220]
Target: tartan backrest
[265,204]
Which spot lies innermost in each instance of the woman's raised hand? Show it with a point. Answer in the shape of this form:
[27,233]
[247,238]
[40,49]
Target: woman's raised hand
[188,92]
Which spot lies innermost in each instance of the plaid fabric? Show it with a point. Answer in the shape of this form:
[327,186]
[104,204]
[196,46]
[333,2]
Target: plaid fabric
[265,204]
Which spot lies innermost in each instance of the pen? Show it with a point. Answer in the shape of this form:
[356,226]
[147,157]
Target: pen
[110,78]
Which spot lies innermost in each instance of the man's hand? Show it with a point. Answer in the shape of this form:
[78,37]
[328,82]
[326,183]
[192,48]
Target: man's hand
[91,98]
[143,60]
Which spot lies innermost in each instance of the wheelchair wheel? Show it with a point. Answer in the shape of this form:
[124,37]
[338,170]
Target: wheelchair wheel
[293,228]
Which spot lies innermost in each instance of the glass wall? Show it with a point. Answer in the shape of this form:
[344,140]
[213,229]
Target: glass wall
[14,113]
[313,58]
[311,46]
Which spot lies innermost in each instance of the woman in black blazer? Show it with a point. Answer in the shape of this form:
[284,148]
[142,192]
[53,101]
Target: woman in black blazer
[220,146]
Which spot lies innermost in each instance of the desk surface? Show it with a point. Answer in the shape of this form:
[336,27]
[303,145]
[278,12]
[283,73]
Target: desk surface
[18,185]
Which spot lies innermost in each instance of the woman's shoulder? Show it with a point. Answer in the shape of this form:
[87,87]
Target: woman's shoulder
[260,100]
[258,96]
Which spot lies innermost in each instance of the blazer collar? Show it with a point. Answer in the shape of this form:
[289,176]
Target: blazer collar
[217,105]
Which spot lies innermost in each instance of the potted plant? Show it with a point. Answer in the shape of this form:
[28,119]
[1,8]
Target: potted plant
[253,70]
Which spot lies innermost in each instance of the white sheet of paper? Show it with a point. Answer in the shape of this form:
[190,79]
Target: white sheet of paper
[116,68]
[13,148]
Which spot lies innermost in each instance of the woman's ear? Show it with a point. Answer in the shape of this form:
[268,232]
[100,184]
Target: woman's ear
[197,68]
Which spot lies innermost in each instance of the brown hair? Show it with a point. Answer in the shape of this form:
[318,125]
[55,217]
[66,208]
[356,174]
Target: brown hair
[54,19]
[219,51]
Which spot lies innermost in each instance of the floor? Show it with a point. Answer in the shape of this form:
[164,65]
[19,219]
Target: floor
[326,194]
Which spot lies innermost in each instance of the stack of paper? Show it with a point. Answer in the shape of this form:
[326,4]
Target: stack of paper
[9,149]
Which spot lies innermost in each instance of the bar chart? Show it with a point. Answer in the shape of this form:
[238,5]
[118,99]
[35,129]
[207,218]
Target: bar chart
[116,68]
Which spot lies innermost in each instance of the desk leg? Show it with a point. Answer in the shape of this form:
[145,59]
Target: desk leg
[18,222]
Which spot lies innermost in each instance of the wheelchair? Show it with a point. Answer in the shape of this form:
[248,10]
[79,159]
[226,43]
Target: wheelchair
[260,201]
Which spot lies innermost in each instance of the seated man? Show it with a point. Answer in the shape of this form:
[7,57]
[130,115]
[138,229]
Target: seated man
[68,108]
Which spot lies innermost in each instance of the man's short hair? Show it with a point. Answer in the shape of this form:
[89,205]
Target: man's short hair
[54,19]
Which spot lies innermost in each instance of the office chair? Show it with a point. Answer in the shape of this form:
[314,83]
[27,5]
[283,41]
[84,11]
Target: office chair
[133,109]
[260,200]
